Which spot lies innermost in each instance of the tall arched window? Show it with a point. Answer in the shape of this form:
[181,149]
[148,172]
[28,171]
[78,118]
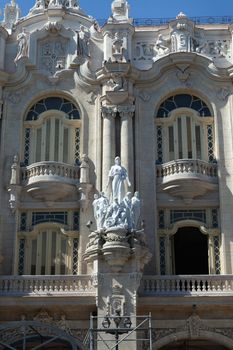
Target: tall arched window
[52,132]
[184,127]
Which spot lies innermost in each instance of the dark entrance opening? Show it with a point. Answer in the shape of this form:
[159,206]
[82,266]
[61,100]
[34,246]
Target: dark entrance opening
[191,252]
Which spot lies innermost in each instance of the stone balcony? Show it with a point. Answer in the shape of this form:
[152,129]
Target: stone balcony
[187,178]
[50,180]
[47,286]
[175,286]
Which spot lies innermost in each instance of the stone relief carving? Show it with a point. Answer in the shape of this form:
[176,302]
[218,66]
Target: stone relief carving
[183,37]
[223,94]
[145,96]
[144,51]
[53,54]
[117,47]
[23,47]
[46,4]
[53,27]
[183,74]
[117,83]
[162,45]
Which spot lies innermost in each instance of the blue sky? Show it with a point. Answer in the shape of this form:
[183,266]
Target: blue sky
[149,8]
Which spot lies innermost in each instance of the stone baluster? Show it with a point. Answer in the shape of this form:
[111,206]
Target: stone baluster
[108,114]
[126,114]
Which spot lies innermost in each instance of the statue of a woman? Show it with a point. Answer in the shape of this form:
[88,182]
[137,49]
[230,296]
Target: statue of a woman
[22,45]
[117,176]
[83,43]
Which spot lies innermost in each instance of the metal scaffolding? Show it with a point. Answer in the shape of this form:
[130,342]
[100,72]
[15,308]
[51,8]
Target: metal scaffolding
[114,330]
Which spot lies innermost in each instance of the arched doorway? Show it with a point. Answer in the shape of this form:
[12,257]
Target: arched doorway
[190,252]
[42,342]
[194,345]
[34,335]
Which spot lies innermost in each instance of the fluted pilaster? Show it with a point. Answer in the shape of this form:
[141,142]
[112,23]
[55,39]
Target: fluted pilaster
[127,152]
[108,114]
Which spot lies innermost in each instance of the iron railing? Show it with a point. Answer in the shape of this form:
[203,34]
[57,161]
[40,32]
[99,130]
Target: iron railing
[151,22]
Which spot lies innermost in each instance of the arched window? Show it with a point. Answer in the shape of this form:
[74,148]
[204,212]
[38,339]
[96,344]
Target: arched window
[184,127]
[48,243]
[52,132]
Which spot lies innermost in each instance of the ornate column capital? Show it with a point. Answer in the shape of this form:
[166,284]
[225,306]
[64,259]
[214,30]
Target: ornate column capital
[126,111]
[109,111]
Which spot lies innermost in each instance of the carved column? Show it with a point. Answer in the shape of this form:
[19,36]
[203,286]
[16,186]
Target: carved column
[127,151]
[108,114]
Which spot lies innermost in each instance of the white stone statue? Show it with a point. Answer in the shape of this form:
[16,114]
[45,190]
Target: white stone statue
[161,45]
[83,43]
[127,205]
[115,216]
[40,4]
[22,45]
[136,211]
[117,177]
[100,206]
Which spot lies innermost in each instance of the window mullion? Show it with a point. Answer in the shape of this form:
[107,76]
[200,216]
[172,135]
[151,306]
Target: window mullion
[52,140]
[176,142]
[61,140]
[28,256]
[39,254]
[58,255]
[43,143]
[184,140]
[48,262]
[32,156]
[193,132]
[165,144]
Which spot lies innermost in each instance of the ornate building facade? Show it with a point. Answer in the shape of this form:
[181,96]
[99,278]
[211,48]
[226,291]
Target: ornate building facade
[143,245]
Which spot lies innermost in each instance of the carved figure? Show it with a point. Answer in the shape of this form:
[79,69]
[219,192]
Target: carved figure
[115,216]
[136,210]
[100,205]
[161,45]
[22,45]
[127,205]
[117,47]
[83,43]
[117,177]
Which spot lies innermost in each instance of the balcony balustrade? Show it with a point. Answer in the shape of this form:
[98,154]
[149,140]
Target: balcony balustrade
[50,180]
[46,285]
[186,285]
[187,178]
[188,167]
